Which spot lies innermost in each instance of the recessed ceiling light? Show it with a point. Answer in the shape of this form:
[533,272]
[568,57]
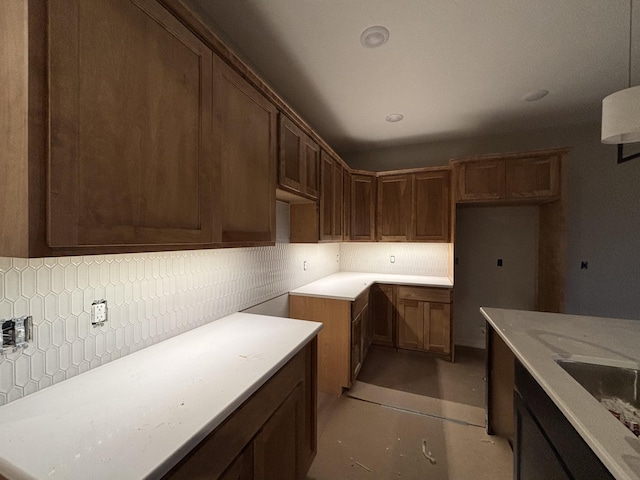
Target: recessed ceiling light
[374,37]
[535,95]
[394,117]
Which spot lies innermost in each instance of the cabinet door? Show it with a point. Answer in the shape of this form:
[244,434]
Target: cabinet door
[431,207]
[534,457]
[356,346]
[481,180]
[130,111]
[363,194]
[394,207]
[326,196]
[240,469]
[382,314]
[533,177]
[346,202]
[275,445]
[291,172]
[311,166]
[367,331]
[410,324]
[246,144]
[337,200]
[437,327]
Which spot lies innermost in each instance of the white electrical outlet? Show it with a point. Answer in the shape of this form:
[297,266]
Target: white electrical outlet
[98,312]
[392,259]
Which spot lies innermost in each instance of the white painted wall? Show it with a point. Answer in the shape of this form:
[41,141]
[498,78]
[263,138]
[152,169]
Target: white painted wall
[603,208]
[484,236]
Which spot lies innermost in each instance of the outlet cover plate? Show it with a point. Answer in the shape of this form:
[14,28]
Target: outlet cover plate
[98,312]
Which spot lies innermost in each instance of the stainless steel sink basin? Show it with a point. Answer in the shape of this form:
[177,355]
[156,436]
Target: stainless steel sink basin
[613,383]
[604,379]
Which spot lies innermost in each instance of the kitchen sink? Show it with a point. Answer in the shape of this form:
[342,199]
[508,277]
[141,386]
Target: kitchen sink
[613,383]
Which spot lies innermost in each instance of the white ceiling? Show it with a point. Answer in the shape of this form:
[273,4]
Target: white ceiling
[453,68]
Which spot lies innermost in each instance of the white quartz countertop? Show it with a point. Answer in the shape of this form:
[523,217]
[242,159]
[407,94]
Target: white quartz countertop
[348,285]
[137,416]
[538,338]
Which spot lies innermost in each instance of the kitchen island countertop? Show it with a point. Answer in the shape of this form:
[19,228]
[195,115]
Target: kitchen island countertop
[137,416]
[537,339]
[348,285]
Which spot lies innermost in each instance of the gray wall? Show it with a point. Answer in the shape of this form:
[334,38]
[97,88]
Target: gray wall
[603,208]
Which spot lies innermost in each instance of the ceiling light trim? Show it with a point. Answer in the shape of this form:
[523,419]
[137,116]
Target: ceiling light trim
[394,117]
[374,37]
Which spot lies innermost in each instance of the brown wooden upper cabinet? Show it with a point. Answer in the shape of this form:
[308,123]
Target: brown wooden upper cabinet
[245,134]
[363,207]
[299,160]
[331,190]
[346,200]
[414,206]
[508,177]
[431,206]
[130,118]
[394,207]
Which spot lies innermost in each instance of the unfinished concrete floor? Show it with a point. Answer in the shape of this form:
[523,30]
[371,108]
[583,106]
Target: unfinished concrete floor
[381,433]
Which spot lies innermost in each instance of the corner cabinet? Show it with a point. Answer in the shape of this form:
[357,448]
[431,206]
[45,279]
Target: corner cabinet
[271,435]
[245,145]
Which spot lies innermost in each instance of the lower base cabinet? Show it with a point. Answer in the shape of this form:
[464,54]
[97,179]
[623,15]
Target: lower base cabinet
[547,447]
[420,317]
[272,435]
[344,340]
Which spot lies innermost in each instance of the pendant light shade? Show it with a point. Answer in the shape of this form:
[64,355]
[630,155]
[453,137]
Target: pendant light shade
[621,116]
[621,111]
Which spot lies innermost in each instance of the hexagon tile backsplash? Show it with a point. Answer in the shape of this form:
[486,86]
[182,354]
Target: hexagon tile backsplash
[151,297]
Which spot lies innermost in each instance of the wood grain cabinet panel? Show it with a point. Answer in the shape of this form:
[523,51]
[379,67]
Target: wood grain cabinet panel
[130,112]
[394,207]
[245,134]
[437,327]
[346,210]
[410,324]
[337,200]
[533,177]
[363,195]
[299,158]
[481,180]
[382,314]
[326,197]
[431,206]
[424,320]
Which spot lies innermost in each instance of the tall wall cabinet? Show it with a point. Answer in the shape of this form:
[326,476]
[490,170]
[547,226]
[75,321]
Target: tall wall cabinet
[126,132]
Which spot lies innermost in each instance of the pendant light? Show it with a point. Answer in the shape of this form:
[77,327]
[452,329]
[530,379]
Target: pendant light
[621,111]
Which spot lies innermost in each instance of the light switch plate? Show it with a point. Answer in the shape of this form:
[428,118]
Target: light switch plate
[98,312]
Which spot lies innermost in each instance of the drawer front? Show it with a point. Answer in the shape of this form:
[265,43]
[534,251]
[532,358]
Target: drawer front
[359,303]
[425,294]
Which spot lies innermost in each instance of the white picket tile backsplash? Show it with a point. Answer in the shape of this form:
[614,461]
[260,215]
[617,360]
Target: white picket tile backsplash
[151,297]
[431,259]
[154,296]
